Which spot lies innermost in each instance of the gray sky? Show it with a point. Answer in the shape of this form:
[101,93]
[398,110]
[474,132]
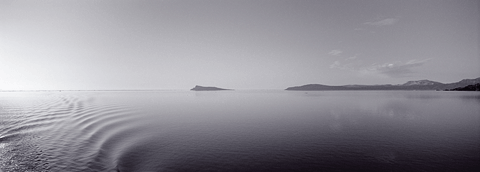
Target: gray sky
[241,44]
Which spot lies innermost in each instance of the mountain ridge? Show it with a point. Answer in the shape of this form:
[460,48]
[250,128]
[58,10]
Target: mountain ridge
[410,85]
[421,82]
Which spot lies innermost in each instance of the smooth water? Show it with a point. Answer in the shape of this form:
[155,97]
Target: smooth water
[240,131]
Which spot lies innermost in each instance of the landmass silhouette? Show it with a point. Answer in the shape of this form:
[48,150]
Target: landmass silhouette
[202,88]
[475,87]
[410,85]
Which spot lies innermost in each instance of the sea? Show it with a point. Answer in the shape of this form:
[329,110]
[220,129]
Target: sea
[244,130]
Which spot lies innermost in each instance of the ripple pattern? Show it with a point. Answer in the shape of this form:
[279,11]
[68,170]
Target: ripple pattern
[61,132]
[238,131]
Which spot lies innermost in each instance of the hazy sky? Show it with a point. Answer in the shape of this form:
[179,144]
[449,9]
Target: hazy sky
[240,44]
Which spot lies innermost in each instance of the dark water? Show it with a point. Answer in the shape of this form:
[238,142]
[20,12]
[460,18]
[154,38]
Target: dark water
[240,131]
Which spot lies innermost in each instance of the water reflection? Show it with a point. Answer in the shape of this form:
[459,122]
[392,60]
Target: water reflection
[399,109]
[239,131]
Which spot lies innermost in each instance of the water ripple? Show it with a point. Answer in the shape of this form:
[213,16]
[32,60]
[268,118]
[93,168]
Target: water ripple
[60,132]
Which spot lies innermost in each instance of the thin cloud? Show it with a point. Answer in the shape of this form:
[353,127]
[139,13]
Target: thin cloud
[343,66]
[396,70]
[335,52]
[346,64]
[352,58]
[384,22]
[336,64]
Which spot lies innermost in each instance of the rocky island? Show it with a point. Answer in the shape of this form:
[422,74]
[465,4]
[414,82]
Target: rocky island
[202,88]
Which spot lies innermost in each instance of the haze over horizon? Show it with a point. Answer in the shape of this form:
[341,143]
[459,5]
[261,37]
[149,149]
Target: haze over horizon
[265,44]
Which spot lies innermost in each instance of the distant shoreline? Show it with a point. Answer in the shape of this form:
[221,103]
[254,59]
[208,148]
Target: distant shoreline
[408,86]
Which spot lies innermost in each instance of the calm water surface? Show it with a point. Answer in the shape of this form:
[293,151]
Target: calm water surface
[240,131]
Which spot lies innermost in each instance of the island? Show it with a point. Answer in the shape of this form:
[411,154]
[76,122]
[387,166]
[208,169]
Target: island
[410,85]
[202,88]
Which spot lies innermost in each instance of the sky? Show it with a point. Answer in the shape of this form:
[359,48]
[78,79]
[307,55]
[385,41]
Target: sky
[238,44]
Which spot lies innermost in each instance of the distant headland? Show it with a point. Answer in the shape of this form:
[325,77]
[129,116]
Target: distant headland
[475,87]
[410,85]
[202,88]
